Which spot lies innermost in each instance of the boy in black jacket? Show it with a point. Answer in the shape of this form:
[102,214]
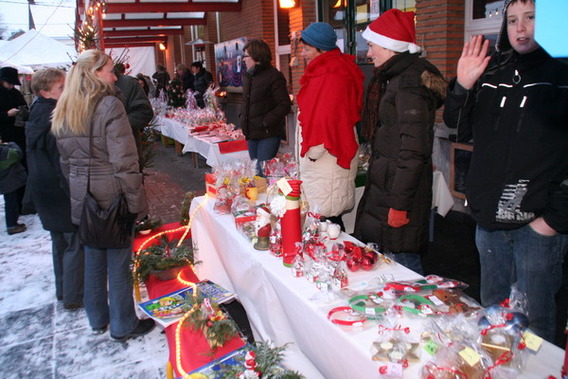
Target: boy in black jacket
[515,105]
[50,192]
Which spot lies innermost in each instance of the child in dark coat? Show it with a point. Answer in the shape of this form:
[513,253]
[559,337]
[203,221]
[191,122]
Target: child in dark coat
[12,178]
[49,190]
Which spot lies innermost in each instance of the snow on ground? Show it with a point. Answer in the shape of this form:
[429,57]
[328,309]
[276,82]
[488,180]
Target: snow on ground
[40,339]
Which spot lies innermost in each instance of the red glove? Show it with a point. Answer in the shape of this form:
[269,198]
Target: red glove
[397,218]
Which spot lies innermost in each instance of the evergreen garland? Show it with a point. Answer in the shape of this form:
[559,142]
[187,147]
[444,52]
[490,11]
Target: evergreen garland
[268,363]
[207,317]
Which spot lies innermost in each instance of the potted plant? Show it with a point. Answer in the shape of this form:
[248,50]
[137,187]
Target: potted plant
[164,260]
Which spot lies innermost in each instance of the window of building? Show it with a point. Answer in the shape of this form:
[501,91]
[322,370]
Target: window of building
[351,17]
[282,53]
[483,17]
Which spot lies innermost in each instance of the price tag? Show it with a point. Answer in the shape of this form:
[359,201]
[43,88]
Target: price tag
[532,341]
[470,356]
[431,347]
[284,186]
[370,311]
[435,300]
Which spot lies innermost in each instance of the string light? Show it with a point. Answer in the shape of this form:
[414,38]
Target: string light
[187,228]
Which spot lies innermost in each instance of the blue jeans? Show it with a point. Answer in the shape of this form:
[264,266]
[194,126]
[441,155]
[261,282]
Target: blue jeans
[263,150]
[530,261]
[410,260]
[115,306]
[68,266]
[12,208]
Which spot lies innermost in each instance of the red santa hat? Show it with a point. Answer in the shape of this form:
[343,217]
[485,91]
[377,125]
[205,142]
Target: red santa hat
[394,30]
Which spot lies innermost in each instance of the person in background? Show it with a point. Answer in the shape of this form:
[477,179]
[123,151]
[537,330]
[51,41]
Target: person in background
[14,112]
[330,102]
[89,102]
[515,105]
[12,178]
[12,109]
[185,77]
[162,79]
[143,84]
[399,116]
[202,79]
[49,190]
[138,107]
[266,103]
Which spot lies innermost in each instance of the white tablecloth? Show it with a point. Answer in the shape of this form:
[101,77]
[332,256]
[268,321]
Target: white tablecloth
[280,309]
[210,151]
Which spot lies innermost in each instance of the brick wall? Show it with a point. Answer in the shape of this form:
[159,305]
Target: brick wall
[300,18]
[440,30]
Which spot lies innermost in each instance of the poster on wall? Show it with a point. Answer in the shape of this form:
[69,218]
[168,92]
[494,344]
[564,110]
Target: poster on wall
[230,64]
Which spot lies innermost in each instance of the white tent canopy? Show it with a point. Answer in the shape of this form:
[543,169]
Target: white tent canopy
[36,50]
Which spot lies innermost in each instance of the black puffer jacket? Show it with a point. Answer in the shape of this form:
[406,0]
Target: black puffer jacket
[400,171]
[46,184]
[518,114]
[265,103]
[201,81]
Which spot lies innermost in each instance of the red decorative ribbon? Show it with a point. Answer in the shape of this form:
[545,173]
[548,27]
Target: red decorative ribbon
[504,358]
[460,374]
[383,329]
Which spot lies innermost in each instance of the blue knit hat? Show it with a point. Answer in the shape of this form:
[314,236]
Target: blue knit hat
[320,35]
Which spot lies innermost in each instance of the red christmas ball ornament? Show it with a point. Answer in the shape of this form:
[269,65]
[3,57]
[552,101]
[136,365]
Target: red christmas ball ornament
[209,324]
[367,263]
[373,256]
[352,264]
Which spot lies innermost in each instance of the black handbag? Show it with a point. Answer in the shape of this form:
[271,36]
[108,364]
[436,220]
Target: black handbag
[105,228]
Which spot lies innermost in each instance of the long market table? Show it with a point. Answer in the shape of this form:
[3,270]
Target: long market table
[280,309]
[210,151]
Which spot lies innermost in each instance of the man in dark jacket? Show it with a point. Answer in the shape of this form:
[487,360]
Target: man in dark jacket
[515,104]
[162,79]
[185,77]
[49,190]
[138,107]
[202,79]
[12,179]
[12,102]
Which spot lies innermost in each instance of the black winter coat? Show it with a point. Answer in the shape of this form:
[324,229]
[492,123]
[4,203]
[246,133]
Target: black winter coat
[46,184]
[265,103]
[138,108]
[400,171]
[12,173]
[201,82]
[8,132]
[518,114]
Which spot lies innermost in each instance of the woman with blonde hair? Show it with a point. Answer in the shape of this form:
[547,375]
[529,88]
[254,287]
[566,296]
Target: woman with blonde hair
[88,105]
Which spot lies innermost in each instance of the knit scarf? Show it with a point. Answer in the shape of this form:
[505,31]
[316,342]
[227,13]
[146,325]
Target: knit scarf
[371,113]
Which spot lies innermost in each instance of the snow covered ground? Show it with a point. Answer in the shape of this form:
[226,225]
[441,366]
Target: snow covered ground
[40,339]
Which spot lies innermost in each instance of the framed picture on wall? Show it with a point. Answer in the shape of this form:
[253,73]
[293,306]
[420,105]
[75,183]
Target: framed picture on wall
[460,160]
[230,64]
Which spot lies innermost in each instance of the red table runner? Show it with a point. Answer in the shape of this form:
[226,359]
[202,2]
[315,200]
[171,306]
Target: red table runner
[194,348]
[232,146]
